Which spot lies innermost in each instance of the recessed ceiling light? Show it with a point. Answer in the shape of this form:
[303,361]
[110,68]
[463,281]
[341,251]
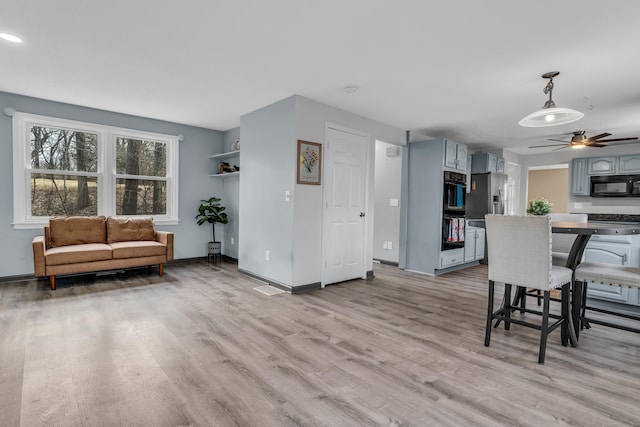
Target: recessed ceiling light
[10,38]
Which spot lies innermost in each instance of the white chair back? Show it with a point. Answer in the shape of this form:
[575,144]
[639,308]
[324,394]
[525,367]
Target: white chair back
[519,250]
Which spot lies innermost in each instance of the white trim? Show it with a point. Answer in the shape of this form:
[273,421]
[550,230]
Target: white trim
[106,173]
[545,167]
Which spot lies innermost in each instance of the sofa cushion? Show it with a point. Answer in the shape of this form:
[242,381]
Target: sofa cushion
[129,229]
[73,254]
[137,249]
[77,230]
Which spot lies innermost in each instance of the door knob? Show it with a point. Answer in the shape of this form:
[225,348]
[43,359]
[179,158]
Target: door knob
[361,214]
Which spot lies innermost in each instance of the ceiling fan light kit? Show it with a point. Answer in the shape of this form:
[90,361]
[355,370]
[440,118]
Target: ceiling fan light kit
[550,115]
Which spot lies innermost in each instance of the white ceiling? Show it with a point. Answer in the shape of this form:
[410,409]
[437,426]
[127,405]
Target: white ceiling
[466,69]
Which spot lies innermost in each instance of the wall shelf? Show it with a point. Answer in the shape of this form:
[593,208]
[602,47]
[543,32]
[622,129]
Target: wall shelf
[225,175]
[227,155]
[223,156]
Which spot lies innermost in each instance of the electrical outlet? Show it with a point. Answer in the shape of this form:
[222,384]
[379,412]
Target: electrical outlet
[232,240]
[267,256]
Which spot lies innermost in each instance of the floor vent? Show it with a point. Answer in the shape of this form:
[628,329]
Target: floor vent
[269,290]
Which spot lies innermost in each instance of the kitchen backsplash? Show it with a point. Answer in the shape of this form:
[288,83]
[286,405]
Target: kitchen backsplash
[614,217]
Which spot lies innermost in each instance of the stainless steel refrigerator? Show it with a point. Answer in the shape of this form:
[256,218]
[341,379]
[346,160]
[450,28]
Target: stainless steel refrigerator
[487,194]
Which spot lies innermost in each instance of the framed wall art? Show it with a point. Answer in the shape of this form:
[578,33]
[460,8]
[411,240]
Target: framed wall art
[309,162]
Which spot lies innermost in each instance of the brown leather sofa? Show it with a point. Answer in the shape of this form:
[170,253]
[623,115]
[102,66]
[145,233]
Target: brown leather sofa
[83,244]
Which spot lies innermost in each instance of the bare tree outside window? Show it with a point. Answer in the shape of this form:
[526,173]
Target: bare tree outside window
[63,172]
[141,177]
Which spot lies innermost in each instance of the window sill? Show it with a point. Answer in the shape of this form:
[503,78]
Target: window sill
[32,225]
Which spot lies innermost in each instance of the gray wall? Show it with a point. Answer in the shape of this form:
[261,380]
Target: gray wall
[311,119]
[386,225]
[266,172]
[16,257]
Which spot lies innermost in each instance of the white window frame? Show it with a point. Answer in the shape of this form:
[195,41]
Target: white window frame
[106,173]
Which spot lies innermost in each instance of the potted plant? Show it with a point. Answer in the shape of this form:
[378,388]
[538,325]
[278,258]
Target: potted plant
[212,212]
[539,207]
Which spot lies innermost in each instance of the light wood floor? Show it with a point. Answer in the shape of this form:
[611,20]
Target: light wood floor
[200,346]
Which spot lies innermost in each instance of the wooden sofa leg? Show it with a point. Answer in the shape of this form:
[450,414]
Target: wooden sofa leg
[160,269]
[52,282]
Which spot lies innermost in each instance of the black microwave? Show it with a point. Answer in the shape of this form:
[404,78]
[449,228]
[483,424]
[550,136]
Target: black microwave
[615,186]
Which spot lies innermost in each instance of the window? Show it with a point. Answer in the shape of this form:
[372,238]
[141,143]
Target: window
[63,167]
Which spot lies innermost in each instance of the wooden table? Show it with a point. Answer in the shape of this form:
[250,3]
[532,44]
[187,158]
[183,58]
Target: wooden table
[583,232]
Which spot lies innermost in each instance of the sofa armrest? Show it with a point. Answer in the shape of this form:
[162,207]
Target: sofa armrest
[39,249]
[166,238]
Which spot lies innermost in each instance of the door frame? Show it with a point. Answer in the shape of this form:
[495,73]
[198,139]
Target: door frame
[368,218]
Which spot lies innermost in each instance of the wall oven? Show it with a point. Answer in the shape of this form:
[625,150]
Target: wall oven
[453,210]
[615,186]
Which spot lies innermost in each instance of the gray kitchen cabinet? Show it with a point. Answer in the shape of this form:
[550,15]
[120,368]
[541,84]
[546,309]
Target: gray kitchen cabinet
[482,162]
[579,178]
[481,234]
[629,164]
[455,155]
[602,165]
[474,244]
[618,250]
[423,231]
[451,258]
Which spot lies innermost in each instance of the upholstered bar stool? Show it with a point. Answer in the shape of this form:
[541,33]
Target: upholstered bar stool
[606,274]
[519,249]
[560,247]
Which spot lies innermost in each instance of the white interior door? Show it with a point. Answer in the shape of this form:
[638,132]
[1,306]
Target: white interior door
[345,198]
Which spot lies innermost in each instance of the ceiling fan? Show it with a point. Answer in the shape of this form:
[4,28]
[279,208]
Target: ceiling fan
[579,140]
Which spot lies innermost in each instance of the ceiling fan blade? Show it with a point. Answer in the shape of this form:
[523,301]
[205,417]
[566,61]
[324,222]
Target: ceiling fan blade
[548,145]
[596,144]
[618,139]
[602,135]
[558,140]
[623,143]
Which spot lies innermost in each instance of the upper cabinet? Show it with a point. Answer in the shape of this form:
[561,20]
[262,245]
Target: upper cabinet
[579,178]
[482,162]
[455,155]
[584,167]
[629,164]
[602,165]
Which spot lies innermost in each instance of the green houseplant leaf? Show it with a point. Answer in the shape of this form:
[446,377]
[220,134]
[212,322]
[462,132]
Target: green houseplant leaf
[210,211]
[539,207]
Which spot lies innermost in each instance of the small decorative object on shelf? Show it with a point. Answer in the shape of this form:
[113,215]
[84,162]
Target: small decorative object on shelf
[539,207]
[226,168]
[236,144]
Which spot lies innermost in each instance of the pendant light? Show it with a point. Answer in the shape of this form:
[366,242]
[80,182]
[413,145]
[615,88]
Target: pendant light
[550,115]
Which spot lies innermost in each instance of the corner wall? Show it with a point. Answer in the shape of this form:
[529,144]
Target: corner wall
[290,230]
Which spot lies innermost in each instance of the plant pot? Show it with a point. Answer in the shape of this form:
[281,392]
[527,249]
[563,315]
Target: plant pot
[215,248]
